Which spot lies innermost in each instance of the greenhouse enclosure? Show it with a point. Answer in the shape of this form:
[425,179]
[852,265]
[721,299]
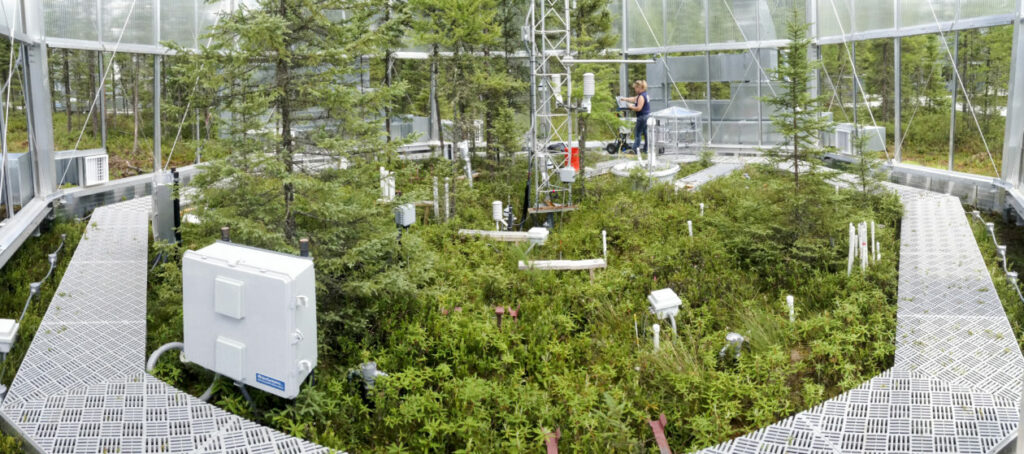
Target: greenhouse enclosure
[298,226]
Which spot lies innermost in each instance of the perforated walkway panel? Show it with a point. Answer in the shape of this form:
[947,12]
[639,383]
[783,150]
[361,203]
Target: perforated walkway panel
[956,381]
[82,387]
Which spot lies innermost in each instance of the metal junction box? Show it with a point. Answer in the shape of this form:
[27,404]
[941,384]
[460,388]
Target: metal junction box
[250,314]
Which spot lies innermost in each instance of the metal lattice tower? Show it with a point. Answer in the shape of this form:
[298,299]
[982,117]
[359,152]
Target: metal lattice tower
[550,45]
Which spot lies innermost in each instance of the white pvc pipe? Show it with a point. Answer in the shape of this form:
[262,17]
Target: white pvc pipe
[672,318]
[689,226]
[155,356]
[862,238]
[853,251]
[437,206]
[447,198]
[878,251]
[702,210]
[657,336]
[792,313]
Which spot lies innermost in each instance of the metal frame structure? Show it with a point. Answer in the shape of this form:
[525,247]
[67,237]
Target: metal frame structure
[551,108]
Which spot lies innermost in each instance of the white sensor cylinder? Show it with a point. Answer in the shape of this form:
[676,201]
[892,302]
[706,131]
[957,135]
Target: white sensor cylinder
[657,336]
[496,213]
[789,304]
[589,86]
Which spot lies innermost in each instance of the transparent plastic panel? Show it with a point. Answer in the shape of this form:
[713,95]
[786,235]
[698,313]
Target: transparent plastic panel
[874,15]
[132,19]
[776,14]
[685,20]
[924,101]
[9,12]
[208,16]
[917,12]
[615,10]
[985,66]
[834,17]
[178,21]
[733,20]
[72,19]
[980,8]
[645,23]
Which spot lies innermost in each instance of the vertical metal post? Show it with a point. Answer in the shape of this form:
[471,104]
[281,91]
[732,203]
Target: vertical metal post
[102,100]
[812,6]
[853,63]
[157,156]
[952,107]
[898,81]
[707,69]
[1012,137]
[157,60]
[757,57]
[624,68]
[37,99]
[665,79]
[8,187]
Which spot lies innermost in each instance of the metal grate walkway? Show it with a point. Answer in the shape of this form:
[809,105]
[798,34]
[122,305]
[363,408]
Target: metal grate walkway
[82,387]
[956,381]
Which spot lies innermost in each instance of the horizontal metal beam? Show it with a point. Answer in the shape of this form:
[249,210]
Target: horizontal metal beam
[572,61]
[72,154]
[14,231]
[963,24]
[81,44]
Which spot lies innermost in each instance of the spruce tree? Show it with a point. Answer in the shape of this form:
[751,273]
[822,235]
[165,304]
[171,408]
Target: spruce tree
[797,116]
[288,78]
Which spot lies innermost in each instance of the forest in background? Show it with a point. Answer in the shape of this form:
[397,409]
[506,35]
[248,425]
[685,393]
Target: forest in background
[478,81]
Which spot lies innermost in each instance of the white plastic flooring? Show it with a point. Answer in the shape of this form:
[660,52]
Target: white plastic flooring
[82,387]
[956,382]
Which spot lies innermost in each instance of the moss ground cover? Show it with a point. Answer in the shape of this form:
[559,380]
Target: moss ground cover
[579,357]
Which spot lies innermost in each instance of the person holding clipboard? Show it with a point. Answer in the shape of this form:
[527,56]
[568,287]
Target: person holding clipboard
[642,106]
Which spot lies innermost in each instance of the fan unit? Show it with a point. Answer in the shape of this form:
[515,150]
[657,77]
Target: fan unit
[96,171]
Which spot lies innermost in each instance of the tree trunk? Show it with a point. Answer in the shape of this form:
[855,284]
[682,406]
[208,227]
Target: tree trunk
[113,100]
[436,104]
[67,87]
[388,63]
[53,89]
[282,78]
[93,100]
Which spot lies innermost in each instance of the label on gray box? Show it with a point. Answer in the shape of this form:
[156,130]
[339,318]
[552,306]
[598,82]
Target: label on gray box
[269,381]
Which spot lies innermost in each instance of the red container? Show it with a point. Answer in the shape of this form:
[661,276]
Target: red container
[574,158]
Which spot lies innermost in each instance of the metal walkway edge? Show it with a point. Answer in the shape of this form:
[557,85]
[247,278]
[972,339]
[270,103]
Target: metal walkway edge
[956,381]
[82,387]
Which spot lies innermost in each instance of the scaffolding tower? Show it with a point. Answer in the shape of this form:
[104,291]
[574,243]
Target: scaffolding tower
[551,133]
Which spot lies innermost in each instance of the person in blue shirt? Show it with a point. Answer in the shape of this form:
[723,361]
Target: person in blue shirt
[640,104]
